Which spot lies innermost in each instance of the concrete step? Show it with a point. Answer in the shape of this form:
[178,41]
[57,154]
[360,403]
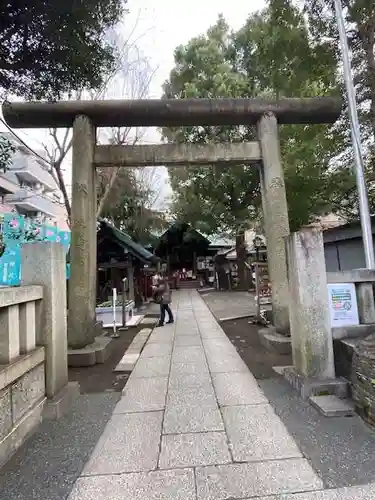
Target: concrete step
[332,406]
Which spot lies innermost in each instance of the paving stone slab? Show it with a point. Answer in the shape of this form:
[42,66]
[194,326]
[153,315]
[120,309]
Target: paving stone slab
[237,388]
[192,354]
[185,368]
[233,481]
[159,485]
[129,443]
[190,450]
[256,433]
[186,331]
[156,350]
[181,381]
[193,418]
[226,363]
[159,338]
[188,340]
[152,367]
[203,395]
[366,492]
[143,394]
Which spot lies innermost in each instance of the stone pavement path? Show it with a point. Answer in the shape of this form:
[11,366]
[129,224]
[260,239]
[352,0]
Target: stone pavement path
[193,424]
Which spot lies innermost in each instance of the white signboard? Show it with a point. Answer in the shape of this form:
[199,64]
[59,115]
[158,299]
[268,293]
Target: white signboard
[343,304]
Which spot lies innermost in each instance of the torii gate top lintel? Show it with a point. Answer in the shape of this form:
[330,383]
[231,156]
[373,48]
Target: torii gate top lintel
[171,112]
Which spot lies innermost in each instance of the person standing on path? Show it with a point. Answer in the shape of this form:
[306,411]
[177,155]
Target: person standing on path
[165,294]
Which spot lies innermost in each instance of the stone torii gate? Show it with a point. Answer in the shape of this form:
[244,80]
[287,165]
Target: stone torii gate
[86,116]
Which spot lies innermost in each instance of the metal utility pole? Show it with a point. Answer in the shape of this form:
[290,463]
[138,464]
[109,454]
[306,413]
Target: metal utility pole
[356,140]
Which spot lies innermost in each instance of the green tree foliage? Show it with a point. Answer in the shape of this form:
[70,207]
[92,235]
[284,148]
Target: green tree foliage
[274,56]
[360,27]
[50,47]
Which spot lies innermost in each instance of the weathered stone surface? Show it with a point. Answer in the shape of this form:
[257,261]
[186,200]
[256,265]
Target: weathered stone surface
[226,363]
[276,220]
[156,350]
[190,450]
[158,485]
[188,368]
[255,479]
[237,388]
[5,412]
[203,395]
[188,340]
[332,406]
[130,443]
[143,394]
[9,334]
[310,323]
[152,367]
[27,325]
[366,492]
[193,418]
[27,391]
[186,354]
[45,264]
[181,381]
[256,433]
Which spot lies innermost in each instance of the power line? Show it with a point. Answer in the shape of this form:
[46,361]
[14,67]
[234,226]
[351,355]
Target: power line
[23,142]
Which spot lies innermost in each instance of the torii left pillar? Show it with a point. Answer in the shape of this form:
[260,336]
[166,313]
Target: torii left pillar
[82,282]
[276,220]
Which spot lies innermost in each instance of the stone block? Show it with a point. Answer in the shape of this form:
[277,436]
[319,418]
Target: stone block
[237,388]
[129,443]
[156,350]
[193,418]
[191,340]
[62,402]
[191,450]
[312,387]
[191,396]
[192,354]
[188,368]
[226,363]
[9,334]
[365,492]
[5,413]
[143,394]
[274,341]
[256,479]
[310,322]
[176,484]
[27,391]
[257,434]
[22,430]
[152,367]
[27,325]
[44,263]
[181,381]
[96,353]
[332,406]
[10,373]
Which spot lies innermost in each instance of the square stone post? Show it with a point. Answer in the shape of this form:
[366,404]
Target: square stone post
[276,220]
[365,300]
[310,323]
[82,282]
[45,264]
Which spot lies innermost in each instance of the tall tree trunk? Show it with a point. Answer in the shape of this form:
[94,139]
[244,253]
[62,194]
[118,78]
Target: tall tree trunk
[243,275]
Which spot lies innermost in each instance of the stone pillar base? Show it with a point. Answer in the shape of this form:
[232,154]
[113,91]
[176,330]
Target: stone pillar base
[56,407]
[307,387]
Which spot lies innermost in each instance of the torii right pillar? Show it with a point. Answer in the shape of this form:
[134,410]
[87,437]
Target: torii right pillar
[276,220]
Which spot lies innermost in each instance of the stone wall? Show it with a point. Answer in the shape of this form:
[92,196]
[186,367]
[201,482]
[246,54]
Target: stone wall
[21,402]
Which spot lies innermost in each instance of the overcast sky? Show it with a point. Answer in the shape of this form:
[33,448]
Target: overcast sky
[158,27]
